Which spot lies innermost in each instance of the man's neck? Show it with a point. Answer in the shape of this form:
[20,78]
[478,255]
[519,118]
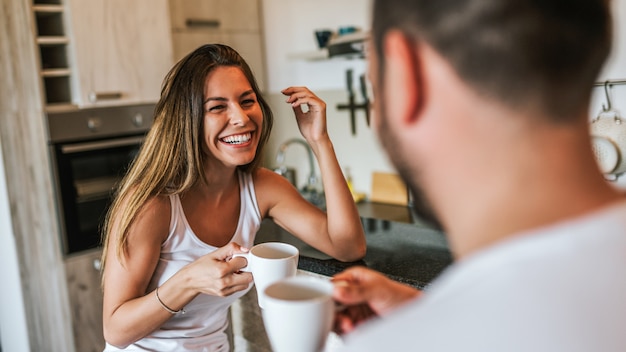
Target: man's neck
[549,178]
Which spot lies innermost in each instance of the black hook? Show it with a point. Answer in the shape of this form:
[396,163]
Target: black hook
[607,86]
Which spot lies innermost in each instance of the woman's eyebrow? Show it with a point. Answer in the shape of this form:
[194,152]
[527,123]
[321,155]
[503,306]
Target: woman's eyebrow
[215,98]
[248,92]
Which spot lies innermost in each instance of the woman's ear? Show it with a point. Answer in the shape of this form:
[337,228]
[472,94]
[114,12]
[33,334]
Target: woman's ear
[403,91]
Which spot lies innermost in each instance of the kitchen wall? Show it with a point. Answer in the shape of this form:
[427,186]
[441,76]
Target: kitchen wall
[289,27]
[289,30]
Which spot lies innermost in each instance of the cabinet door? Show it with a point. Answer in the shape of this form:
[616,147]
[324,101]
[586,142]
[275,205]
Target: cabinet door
[122,49]
[223,15]
[83,283]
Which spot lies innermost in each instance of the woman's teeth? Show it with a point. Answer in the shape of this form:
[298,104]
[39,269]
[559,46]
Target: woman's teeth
[237,139]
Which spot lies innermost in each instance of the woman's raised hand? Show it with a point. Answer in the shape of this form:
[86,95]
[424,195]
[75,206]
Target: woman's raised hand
[311,122]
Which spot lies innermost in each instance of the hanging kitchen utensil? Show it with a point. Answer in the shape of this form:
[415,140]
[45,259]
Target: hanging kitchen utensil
[608,131]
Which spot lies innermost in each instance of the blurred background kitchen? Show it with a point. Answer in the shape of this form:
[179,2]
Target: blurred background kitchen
[79,79]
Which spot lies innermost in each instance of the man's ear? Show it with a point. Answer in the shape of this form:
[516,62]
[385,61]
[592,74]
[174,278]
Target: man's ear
[403,91]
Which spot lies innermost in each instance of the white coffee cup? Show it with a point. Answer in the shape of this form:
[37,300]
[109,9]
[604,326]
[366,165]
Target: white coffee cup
[298,313]
[269,262]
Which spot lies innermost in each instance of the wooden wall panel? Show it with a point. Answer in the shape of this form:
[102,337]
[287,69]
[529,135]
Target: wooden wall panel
[29,184]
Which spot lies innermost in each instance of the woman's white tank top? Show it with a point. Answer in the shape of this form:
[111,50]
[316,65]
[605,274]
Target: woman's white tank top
[202,327]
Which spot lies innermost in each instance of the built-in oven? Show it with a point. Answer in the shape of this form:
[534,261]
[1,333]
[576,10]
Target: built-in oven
[91,150]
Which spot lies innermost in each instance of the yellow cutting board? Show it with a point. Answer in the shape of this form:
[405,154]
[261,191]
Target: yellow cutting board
[388,188]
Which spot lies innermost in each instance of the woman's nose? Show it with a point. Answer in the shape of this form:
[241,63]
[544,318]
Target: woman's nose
[239,117]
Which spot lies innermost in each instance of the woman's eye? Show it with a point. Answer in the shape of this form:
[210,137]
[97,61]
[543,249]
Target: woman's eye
[216,108]
[248,102]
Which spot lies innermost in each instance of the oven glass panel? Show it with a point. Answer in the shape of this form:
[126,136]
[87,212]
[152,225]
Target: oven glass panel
[88,174]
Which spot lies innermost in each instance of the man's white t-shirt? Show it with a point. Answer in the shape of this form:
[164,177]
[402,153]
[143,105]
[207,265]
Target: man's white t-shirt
[558,288]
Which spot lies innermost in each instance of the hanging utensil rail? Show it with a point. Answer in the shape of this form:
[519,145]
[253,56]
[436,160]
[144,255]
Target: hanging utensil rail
[610,82]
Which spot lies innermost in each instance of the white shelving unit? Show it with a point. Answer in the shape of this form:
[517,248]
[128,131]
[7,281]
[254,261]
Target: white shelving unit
[352,44]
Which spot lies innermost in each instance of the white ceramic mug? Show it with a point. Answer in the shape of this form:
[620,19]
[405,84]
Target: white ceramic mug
[299,313]
[269,262]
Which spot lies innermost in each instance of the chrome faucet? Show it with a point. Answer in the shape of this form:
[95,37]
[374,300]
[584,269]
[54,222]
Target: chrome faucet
[280,159]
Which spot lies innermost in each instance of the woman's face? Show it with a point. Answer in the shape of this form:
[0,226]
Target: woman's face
[232,118]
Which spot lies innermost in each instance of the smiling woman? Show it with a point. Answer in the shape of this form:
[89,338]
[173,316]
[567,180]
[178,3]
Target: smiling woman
[195,196]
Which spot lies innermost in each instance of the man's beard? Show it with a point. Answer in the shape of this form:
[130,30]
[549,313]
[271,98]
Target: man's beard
[420,205]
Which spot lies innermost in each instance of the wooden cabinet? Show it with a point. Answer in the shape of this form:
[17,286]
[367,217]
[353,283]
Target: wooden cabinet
[53,42]
[236,23]
[85,295]
[224,15]
[122,49]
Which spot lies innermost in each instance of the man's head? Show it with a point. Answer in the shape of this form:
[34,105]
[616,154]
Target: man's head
[540,56]
[547,53]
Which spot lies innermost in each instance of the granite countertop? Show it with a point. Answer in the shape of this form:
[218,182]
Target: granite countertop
[402,249]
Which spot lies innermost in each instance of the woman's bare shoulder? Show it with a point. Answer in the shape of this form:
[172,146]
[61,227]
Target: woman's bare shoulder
[271,188]
[153,218]
[160,204]
[268,179]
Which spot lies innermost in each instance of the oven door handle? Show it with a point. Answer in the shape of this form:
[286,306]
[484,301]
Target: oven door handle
[90,146]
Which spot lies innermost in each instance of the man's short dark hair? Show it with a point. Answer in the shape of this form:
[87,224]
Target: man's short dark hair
[545,53]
